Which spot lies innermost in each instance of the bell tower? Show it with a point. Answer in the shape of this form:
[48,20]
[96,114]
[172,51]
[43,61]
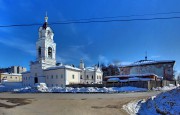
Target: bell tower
[45,46]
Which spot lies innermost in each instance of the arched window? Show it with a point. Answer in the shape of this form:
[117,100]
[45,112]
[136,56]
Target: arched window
[92,77]
[87,77]
[39,51]
[49,52]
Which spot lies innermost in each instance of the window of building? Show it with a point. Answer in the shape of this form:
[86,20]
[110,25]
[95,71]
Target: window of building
[73,76]
[61,75]
[52,77]
[16,77]
[39,51]
[56,76]
[35,74]
[52,85]
[97,76]
[56,85]
[81,77]
[92,76]
[47,77]
[61,85]
[49,52]
[87,77]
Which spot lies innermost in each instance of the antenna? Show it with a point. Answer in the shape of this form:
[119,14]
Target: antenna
[146,55]
[46,13]
[46,18]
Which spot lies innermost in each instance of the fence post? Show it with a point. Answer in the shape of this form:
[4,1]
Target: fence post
[149,85]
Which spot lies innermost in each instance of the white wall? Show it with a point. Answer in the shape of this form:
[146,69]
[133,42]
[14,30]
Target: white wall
[55,77]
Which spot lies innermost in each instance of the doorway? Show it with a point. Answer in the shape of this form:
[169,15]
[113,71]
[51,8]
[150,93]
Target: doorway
[36,80]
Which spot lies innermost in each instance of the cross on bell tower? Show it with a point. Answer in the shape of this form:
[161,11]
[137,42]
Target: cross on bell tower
[45,46]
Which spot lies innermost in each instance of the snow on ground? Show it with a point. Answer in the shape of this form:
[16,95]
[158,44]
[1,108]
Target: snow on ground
[80,90]
[42,88]
[166,103]
[166,88]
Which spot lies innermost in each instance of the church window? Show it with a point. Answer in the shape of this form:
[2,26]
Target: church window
[92,76]
[87,77]
[72,76]
[49,52]
[39,51]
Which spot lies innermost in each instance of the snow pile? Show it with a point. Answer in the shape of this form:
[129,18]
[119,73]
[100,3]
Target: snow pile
[39,87]
[79,90]
[166,88]
[9,86]
[166,103]
[133,107]
[2,88]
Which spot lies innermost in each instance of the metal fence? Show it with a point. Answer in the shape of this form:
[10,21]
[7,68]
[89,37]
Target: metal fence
[141,84]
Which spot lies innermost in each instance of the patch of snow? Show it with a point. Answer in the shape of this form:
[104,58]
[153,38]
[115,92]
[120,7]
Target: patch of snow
[113,80]
[80,90]
[165,88]
[133,107]
[166,103]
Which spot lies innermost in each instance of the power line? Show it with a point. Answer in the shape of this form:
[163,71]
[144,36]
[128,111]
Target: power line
[93,21]
[126,16]
[116,20]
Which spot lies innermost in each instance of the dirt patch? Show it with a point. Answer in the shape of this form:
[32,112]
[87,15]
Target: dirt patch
[108,106]
[13,102]
[97,107]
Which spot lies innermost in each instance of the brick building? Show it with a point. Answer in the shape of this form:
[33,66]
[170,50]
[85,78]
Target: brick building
[162,69]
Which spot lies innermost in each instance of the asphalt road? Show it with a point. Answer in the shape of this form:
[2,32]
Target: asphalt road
[67,104]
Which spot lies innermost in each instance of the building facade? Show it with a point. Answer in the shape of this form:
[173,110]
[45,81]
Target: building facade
[90,75]
[13,69]
[163,69]
[10,77]
[45,69]
[11,74]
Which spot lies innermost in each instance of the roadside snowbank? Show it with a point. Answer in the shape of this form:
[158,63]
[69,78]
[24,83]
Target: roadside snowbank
[166,103]
[166,88]
[80,90]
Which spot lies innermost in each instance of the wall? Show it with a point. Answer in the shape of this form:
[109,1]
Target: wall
[55,77]
[164,70]
[11,77]
[140,84]
[70,79]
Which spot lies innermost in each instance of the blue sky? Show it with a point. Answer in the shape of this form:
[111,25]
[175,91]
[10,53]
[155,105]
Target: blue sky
[105,42]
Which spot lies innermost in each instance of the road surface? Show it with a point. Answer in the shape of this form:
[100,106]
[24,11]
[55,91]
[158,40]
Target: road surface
[67,104]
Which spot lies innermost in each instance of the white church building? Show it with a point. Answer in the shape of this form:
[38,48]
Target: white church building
[45,69]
